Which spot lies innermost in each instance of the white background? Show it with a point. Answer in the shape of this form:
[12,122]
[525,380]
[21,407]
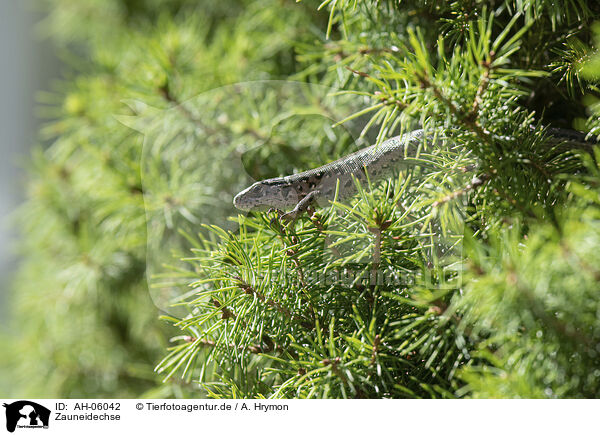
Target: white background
[481,417]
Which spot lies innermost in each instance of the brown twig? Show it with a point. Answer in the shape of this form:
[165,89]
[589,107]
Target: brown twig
[249,290]
[473,184]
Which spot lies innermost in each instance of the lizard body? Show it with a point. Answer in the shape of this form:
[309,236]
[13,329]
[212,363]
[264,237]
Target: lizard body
[297,191]
[285,193]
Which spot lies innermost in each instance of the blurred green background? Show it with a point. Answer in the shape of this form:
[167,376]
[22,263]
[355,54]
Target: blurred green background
[29,64]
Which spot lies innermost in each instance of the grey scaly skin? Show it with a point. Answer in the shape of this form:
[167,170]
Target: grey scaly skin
[319,185]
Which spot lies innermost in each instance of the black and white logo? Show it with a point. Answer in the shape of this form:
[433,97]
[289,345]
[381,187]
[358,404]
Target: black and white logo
[25,414]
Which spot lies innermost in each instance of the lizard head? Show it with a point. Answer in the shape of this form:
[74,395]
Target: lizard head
[266,194]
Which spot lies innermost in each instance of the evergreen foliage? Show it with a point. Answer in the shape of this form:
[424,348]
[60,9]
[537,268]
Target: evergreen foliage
[509,309]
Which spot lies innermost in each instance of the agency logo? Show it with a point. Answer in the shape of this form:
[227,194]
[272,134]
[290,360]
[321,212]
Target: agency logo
[25,414]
